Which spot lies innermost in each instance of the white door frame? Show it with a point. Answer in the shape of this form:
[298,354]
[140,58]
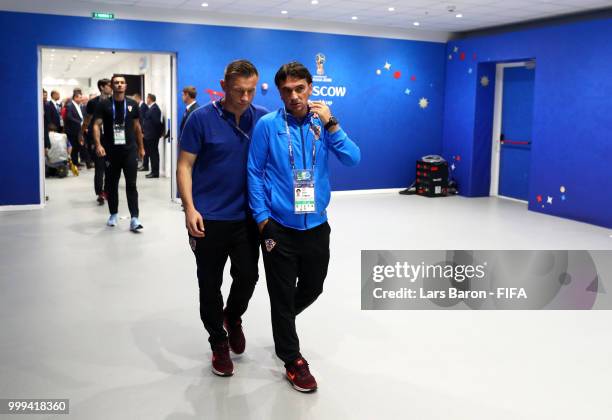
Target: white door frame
[497,122]
[41,156]
[174,134]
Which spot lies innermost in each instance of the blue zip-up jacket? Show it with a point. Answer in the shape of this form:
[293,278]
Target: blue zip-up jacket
[270,177]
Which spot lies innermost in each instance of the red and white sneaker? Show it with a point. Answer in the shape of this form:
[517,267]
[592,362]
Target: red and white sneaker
[235,336]
[299,375]
[221,362]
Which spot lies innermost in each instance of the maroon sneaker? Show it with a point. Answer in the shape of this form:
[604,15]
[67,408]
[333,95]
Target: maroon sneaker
[237,342]
[221,363]
[299,375]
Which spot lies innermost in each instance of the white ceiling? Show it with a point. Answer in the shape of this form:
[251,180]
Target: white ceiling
[431,14]
[329,16]
[64,63]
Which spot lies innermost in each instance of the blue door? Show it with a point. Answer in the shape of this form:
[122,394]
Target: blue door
[516,129]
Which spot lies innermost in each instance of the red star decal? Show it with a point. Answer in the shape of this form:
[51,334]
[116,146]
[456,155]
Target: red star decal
[462,56]
[413,78]
[397,74]
[539,198]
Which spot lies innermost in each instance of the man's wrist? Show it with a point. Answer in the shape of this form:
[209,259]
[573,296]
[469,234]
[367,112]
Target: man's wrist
[331,122]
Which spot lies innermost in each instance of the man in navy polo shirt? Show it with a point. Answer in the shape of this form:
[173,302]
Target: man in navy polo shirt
[211,174]
[289,192]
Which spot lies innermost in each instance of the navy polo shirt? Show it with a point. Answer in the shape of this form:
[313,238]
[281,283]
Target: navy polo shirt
[219,178]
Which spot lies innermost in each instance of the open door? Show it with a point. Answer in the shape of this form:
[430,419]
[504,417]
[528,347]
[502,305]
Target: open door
[513,130]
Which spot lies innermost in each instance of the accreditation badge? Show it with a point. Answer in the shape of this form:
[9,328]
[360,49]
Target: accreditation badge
[304,191]
[119,134]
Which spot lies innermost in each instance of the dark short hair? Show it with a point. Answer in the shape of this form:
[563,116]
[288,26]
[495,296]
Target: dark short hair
[51,127]
[76,92]
[115,76]
[153,97]
[293,69]
[102,83]
[239,68]
[54,91]
[190,91]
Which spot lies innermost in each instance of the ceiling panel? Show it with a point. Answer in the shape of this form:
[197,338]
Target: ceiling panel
[432,14]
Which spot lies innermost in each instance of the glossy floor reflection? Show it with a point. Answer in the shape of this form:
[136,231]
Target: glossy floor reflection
[109,319]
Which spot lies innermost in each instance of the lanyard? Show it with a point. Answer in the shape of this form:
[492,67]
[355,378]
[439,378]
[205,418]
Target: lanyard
[314,149]
[232,124]
[124,110]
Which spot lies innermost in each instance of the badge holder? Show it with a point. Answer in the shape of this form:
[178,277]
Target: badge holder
[304,191]
[119,134]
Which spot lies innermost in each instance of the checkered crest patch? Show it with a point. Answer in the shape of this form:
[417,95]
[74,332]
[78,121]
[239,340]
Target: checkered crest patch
[270,244]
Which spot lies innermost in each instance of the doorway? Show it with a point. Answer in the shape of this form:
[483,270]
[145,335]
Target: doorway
[63,69]
[512,130]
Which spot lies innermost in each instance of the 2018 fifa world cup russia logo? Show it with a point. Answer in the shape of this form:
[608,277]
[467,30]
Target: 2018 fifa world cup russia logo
[320,60]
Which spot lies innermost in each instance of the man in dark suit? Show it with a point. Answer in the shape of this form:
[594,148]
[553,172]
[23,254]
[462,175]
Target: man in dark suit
[153,128]
[72,126]
[46,119]
[189,99]
[142,111]
[56,115]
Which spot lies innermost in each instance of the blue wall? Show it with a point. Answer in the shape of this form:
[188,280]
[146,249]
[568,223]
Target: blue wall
[380,112]
[572,120]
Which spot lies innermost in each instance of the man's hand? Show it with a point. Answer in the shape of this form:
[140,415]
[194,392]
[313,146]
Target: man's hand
[100,151]
[261,225]
[194,223]
[321,109]
[141,152]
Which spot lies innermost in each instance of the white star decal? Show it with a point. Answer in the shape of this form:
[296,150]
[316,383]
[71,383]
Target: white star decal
[549,200]
[423,103]
[453,166]
[387,65]
[407,91]
[456,49]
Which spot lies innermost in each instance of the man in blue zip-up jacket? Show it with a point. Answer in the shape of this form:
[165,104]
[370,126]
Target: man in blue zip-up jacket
[289,191]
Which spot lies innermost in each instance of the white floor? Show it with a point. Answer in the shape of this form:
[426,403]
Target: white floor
[109,319]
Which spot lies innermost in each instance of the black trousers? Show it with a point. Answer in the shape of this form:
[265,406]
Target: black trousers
[126,160]
[76,148]
[100,168]
[296,267]
[239,241]
[152,152]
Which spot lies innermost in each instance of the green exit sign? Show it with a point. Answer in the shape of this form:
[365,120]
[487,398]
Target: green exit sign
[103,16]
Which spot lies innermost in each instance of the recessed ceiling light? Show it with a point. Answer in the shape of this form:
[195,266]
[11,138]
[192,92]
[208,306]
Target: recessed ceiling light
[52,50]
[284,12]
[416,24]
[458,15]
[354,17]
[391,9]
[314,2]
[204,4]
[102,52]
